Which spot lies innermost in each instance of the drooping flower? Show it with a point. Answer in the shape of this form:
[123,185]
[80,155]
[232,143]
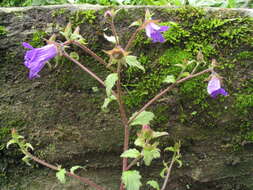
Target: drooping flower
[214,87]
[153,31]
[35,58]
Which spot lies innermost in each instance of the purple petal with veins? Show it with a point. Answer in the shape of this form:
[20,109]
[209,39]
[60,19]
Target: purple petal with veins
[35,58]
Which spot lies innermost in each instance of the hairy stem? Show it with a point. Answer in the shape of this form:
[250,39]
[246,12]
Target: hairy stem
[167,90]
[114,31]
[83,179]
[91,53]
[123,119]
[65,54]
[130,41]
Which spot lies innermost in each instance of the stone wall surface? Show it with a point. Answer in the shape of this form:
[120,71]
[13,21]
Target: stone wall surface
[59,113]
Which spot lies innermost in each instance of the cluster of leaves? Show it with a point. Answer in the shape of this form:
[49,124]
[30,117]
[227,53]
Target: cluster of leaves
[202,3]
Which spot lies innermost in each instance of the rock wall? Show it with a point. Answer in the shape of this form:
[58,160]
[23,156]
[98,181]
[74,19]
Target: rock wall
[60,113]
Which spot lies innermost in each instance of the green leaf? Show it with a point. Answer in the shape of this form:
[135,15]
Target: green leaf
[149,155]
[158,134]
[61,175]
[110,82]
[107,101]
[74,168]
[26,159]
[180,163]
[170,79]
[139,142]
[153,184]
[28,145]
[136,23]
[12,141]
[130,153]
[131,180]
[74,55]
[171,148]
[143,118]
[133,62]
[185,74]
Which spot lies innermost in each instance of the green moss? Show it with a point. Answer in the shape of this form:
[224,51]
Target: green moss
[37,38]
[3,31]
[58,12]
[81,17]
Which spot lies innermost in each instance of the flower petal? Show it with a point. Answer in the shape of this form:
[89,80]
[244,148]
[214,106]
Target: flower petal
[221,91]
[157,37]
[36,58]
[163,28]
[149,30]
[213,85]
[27,45]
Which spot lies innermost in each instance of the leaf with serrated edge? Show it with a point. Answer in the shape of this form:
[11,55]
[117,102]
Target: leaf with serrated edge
[149,155]
[61,175]
[153,184]
[110,82]
[131,180]
[143,118]
[133,62]
[130,153]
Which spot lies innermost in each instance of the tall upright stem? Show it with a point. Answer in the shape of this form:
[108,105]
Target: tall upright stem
[114,31]
[123,119]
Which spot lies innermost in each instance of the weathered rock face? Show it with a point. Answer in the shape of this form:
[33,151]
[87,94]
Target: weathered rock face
[60,113]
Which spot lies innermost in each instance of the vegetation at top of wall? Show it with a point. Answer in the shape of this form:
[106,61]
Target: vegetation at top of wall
[201,3]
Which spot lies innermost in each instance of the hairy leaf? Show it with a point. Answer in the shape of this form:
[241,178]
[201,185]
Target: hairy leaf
[131,180]
[61,175]
[110,82]
[133,62]
[130,153]
[143,118]
[149,155]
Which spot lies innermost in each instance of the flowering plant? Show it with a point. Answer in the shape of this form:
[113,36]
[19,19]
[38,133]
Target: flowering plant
[147,140]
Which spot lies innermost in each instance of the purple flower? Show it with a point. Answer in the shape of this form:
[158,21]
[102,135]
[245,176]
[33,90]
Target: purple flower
[214,87]
[35,58]
[154,31]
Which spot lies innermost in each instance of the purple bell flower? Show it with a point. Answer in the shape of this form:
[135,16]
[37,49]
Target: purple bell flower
[35,58]
[154,31]
[214,87]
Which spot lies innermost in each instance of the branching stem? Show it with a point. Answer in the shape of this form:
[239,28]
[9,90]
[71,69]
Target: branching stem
[83,179]
[167,90]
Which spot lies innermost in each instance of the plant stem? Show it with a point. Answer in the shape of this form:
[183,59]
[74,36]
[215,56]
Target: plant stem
[133,162]
[123,119]
[167,90]
[65,54]
[168,172]
[129,43]
[90,52]
[114,31]
[83,179]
